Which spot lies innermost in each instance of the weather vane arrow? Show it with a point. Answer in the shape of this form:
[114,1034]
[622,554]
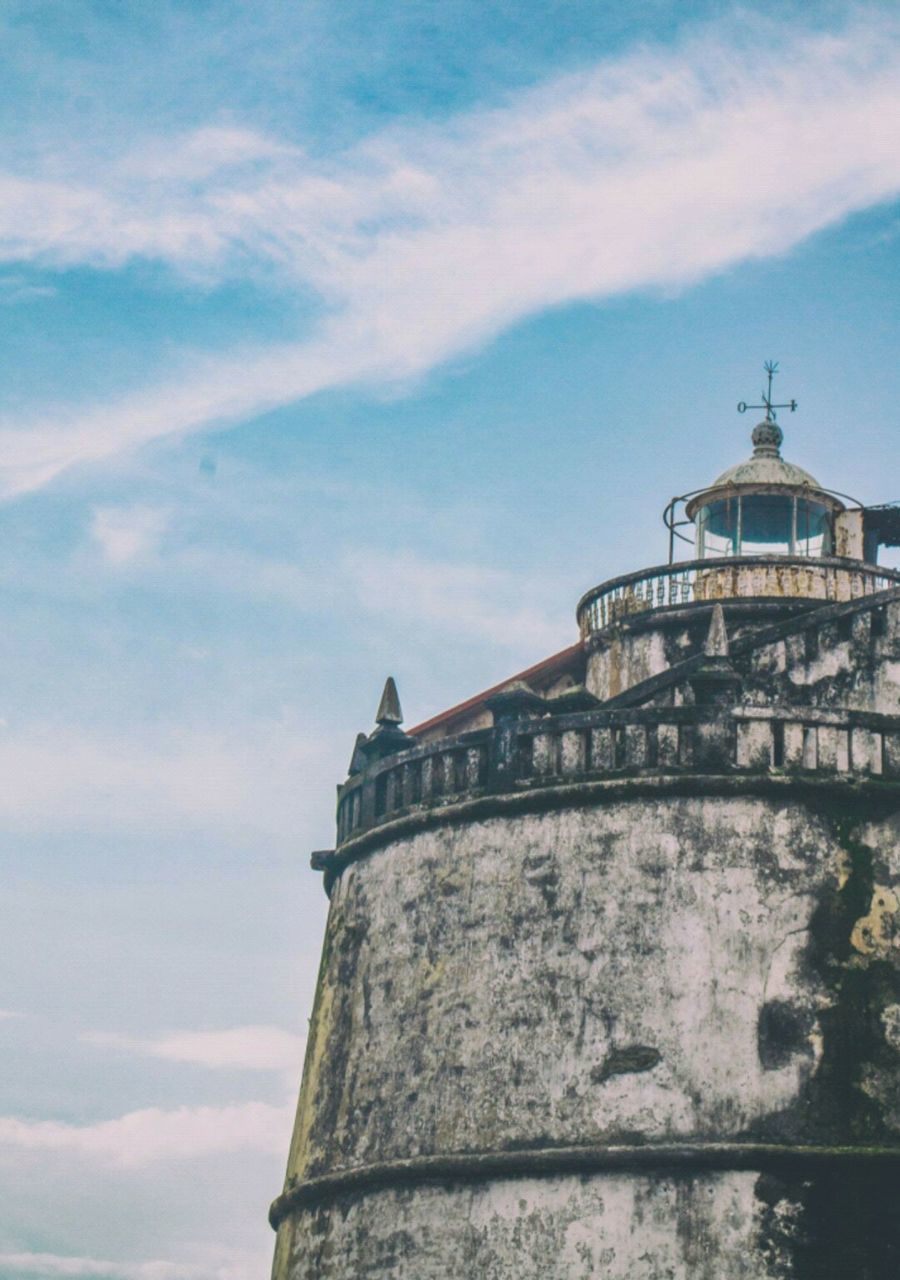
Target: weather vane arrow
[771,368]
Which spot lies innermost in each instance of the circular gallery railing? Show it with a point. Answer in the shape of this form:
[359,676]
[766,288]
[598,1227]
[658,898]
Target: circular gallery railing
[730,578]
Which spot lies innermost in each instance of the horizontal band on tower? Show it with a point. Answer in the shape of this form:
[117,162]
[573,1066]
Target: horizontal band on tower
[626,786]
[663,1158]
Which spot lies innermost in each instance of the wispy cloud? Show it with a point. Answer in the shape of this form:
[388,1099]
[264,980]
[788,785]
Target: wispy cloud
[15,289]
[55,1264]
[459,599]
[174,200]
[125,534]
[252,1048]
[244,786]
[147,1136]
[653,171]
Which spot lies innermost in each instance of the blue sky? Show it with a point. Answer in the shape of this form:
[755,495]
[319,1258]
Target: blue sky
[343,339]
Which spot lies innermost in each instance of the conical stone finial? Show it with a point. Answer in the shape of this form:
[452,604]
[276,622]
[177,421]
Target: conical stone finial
[716,645]
[714,679]
[389,712]
[358,759]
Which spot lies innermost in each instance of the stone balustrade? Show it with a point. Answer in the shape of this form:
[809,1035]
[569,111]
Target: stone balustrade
[520,755]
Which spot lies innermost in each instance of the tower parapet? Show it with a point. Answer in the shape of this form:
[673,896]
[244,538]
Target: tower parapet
[611,980]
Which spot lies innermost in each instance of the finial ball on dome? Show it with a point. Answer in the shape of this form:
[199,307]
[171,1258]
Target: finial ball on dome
[767,437]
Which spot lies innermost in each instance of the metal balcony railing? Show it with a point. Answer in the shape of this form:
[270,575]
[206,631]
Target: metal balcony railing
[730,578]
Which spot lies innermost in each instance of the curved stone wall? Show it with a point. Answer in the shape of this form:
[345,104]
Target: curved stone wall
[722,1226]
[617,1227]
[691,969]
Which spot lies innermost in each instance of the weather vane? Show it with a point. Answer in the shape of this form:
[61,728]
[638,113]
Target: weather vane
[771,368]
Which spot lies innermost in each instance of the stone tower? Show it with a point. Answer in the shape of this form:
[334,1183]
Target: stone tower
[610,985]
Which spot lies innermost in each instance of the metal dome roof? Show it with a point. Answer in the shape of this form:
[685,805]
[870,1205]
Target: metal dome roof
[767,465]
[765,469]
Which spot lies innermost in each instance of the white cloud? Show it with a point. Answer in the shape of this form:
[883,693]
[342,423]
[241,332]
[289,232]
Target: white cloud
[125,534]
[653,171]
[251,1048]
[205,153]
[151,1135]
[246,1267]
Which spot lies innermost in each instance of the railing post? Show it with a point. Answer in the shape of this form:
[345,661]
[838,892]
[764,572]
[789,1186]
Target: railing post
[367,804]
[715,740]
[508,707]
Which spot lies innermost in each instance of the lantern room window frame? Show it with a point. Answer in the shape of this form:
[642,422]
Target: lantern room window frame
[684,513]
[804,510]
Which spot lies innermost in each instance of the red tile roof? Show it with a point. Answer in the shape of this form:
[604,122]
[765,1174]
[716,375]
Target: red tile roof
[556,664]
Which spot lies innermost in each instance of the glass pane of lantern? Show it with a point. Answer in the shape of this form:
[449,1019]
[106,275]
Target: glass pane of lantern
[766,520]
[813,529]
[717,526]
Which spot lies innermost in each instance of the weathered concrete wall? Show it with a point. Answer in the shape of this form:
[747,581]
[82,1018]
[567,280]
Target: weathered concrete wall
[727,1226]
[718,968]
[852,662]
[647,644]
[616,1227]
[628,655]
